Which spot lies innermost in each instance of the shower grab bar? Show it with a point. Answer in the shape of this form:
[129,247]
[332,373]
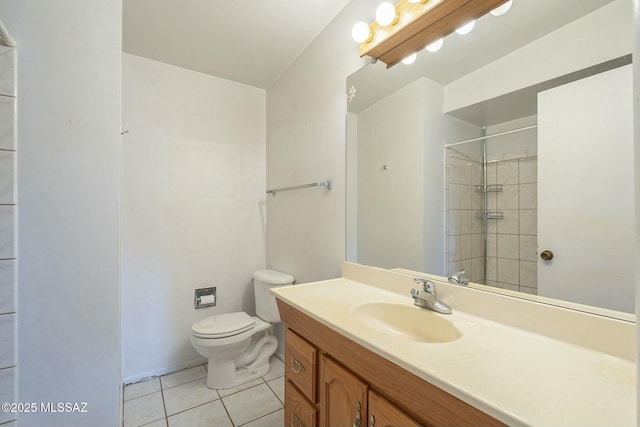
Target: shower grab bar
[327,184]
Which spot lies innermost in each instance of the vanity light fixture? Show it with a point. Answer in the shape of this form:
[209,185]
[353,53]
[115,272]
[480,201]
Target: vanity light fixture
[408,26]
[466,28]
[436,45]
[410,59]
[361,32]
[386,14]
[501,10]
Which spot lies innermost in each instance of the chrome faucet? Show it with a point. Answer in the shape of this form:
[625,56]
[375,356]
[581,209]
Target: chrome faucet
[427,297]
[457,279]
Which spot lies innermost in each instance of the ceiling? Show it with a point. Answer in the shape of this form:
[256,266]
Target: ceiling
[248,41]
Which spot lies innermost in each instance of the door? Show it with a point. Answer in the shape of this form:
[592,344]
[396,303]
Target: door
[343,396]
[585,191]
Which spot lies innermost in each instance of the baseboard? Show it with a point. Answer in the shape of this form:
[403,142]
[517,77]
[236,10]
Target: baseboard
[163,371]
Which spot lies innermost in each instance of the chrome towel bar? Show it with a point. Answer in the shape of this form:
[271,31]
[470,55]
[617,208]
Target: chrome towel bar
[327,184]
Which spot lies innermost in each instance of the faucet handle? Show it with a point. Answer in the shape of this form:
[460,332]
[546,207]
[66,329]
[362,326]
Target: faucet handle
[457,278]
[427,285]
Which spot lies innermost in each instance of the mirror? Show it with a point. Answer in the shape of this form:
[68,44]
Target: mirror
[507,153]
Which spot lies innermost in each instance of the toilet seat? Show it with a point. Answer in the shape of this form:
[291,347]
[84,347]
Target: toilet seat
[223,325]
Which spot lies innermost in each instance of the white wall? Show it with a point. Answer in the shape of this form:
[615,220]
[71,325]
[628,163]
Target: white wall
[590,40]
[512,145]
[306,110]
[436,129]
[68,191]
[391,134]
[193,190]
[351,234]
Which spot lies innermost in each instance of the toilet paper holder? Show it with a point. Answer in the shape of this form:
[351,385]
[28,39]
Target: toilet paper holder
[204,297]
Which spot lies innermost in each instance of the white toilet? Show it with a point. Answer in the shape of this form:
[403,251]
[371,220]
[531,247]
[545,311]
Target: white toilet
[238,346]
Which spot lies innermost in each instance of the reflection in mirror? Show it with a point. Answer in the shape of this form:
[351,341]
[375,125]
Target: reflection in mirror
[508,154]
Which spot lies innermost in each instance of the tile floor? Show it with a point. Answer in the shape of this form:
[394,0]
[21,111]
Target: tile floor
[181,399]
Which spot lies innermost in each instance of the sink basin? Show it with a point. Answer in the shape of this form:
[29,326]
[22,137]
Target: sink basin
[407,322]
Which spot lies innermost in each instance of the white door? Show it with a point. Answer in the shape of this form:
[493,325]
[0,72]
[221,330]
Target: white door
[585,191]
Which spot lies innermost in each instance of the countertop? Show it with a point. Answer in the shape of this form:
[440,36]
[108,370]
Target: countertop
[519,377]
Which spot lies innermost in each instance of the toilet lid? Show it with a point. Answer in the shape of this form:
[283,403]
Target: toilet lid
[223,325]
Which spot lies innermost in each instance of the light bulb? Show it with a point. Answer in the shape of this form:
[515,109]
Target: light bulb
[386,14]
[466,28]
[410,59]
[435,46]
[502,9]
[361,32]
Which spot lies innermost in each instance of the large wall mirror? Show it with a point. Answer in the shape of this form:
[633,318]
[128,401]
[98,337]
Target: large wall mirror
[508,153]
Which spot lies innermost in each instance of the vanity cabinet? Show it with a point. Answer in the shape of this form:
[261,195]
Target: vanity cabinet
[330,379]
[383,413]
[343,396]
[345,400]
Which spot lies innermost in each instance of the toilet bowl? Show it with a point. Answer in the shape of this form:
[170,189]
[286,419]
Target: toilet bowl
[238,346]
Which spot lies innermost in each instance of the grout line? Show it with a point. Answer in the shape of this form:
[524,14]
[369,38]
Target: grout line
[164,405]
[262,416]
[155,421]
[276,394]
[227,411]
[178,385]
[194,407]
[186,382]
[124,386]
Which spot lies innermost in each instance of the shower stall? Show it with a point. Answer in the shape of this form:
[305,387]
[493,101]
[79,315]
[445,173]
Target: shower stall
[543,204]
[491,207]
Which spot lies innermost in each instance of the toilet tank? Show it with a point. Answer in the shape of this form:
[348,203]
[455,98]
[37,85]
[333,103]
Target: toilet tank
[263,280]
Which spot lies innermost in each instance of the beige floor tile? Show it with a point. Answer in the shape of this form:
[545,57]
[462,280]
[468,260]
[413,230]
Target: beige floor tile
[182,377]
[159,423]
[228,391]
[275,419]
[211,414]
[131,391]
[251,404]
[277,386]
[143,410]
[189,395]
[276,369]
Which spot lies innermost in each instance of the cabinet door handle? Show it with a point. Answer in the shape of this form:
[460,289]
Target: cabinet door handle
[296,366]
[358,421]
[295,421]
[372,421]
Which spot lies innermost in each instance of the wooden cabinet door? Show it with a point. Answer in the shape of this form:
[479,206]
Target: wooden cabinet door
[383,413]
[300,364]
[298,412]
[343,396]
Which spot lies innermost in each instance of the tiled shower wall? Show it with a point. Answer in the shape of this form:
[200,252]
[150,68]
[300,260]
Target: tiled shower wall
[512,241]
[8,360]
[511,246]
[464,228]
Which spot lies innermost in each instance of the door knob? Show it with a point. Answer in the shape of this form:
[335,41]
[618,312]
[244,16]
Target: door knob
[546,255]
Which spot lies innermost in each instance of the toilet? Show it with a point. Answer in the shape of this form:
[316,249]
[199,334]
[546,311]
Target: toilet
[238,346]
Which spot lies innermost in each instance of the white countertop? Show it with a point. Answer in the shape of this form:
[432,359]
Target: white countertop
[516,376]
